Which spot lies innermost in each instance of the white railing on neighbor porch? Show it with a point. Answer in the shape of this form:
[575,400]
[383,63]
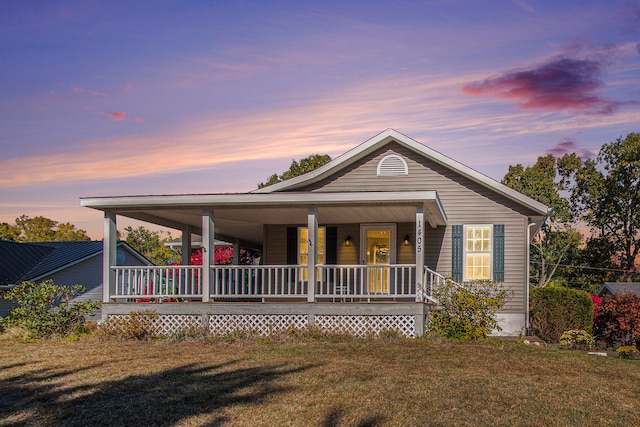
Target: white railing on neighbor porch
[263,282]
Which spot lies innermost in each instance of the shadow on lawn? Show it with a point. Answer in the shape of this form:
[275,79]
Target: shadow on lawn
[333,420]
[163,398]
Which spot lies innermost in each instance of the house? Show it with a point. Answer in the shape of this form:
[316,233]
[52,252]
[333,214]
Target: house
[373,232]
[66,263]
[615,288]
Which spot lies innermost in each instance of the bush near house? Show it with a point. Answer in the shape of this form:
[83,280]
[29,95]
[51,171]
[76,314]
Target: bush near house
[556,309]
[45,309]
[467,312]
[618,320]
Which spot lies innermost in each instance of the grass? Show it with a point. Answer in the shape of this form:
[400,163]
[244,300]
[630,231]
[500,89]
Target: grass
[311,382]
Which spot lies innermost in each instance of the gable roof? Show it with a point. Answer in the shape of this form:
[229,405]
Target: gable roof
[387,137]
[23,261]
[616,288]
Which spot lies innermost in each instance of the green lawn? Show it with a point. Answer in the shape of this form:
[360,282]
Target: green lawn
[312,383]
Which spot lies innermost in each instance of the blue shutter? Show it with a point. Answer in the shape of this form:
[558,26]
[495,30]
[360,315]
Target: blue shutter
[456,252]
[498,252]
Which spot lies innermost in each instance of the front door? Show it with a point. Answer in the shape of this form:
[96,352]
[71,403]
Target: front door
[378,252]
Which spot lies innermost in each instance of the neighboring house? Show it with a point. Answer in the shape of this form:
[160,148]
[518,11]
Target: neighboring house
[374,231]
[616,288]
[66,263]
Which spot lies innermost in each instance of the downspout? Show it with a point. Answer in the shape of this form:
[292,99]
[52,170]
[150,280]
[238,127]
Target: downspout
[528,252]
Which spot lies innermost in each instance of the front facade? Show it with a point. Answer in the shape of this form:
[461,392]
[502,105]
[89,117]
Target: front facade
[373,232]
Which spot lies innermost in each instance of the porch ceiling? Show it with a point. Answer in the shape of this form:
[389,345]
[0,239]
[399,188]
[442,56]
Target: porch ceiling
[242,216]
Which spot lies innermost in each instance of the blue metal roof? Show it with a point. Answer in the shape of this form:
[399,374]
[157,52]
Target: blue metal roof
[17,259]
[30,261]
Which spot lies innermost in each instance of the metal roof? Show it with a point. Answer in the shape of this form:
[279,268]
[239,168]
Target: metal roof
[17,259]
[616,288]
[24,261]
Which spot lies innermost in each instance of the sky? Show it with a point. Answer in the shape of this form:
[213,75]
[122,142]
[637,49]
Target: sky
[114,98]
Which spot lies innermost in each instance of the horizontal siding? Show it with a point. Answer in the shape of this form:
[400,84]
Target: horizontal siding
[464,202]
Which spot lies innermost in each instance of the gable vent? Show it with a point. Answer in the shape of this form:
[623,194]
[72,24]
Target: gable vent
[392,165]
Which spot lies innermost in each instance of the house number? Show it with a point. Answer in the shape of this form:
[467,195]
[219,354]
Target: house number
[419,238]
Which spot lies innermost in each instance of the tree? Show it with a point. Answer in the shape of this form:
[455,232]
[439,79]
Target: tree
[41,229]
[305,165]
[151,245]
[606,196]
[546,181]
[9,232]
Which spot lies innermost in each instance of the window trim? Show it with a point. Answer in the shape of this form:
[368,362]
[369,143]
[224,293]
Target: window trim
[299,253]
[465,252]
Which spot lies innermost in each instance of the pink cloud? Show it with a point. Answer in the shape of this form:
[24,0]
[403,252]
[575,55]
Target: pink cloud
[77,89]
[117,115]
[138,120]
[559,85]
[128,87]
[569,145]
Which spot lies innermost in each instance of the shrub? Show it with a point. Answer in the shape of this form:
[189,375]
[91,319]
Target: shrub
[45,309]
[555,309]
[576,339]
[626,351]
[137,325]
[618,319]
[193,333]
[467,311]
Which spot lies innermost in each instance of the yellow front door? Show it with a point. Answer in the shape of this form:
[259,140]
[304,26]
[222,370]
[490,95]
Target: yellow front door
[378,254]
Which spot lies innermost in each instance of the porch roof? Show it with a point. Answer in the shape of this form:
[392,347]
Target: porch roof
[242,215]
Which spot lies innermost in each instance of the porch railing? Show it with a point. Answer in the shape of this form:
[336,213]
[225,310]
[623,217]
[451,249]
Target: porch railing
[261,282]
[258,281]
[366,281]
[145,283]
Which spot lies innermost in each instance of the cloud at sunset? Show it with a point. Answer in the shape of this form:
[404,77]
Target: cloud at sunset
[78,89]
[565,84]
[117,116]
[567,146]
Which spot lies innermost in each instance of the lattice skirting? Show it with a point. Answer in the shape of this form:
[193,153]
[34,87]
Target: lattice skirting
[362,326]
[263,324]
[165,324]
[266,324]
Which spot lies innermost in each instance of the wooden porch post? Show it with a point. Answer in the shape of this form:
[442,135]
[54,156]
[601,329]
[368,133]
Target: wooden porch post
[419,254]
[208,250]
[186,245]
[312,226]
[109,257]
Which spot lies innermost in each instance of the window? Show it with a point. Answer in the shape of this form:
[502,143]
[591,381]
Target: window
[303,245]
[477,252]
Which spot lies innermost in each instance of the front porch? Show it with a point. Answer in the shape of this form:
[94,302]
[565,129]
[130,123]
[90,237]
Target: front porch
[338,261]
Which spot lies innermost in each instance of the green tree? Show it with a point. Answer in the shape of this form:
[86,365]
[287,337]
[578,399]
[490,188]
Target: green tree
[547,182]
[41,229]
[305,165]
[44,309]
[8,231]
[151,245]
[607,197]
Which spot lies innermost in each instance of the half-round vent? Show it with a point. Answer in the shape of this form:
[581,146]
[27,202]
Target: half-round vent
[392,165]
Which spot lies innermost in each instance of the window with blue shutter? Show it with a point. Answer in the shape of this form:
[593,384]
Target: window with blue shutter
[477,252]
